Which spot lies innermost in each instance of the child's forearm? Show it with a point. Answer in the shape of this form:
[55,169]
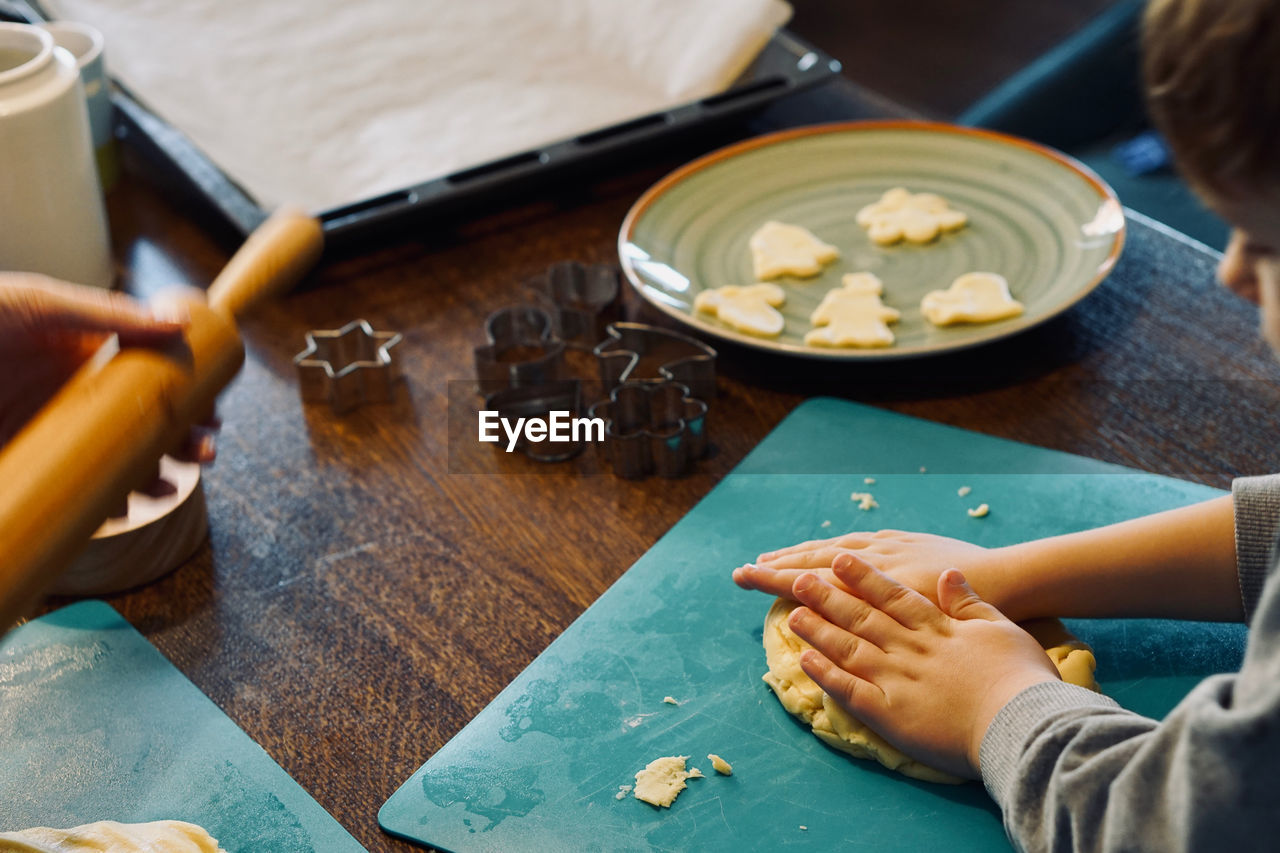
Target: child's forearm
[1178,564]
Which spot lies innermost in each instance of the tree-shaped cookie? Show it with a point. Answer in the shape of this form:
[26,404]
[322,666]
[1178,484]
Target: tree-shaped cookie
[781,249]
[976,297]
[853,315]
[916,217]
[751,309]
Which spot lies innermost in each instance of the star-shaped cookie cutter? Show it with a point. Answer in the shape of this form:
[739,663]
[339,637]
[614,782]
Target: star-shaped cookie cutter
[348,367]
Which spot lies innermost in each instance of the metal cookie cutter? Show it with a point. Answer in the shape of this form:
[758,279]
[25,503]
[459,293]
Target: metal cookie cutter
[579,298]
[652,428]
[635,352]
[349,366]
[522,350]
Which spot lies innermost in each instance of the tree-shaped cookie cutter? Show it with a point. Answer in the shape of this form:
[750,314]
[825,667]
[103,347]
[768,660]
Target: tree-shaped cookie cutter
[348,367]
[652,428]
[636,352]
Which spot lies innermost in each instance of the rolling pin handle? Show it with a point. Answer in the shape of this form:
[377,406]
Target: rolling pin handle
[273,259]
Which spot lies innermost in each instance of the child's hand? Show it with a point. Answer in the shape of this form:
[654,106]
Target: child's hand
[913,559]
[929,679]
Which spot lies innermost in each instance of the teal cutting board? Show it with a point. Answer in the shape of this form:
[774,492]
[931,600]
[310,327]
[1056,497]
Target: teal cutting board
[97,725]
[538,769]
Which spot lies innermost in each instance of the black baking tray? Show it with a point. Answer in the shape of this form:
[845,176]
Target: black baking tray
[786,64]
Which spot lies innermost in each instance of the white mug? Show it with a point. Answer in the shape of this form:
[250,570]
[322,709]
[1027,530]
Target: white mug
[86,44]
[52,219]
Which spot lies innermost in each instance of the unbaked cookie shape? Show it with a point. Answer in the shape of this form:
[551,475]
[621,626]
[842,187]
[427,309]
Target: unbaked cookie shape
[976,297]
[779,249]
[853,315]
[915,217]
[752,309]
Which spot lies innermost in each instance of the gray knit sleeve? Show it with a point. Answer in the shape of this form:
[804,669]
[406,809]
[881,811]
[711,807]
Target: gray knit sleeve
[1257,510]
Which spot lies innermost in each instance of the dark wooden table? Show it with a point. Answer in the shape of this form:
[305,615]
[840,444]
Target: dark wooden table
[358,601]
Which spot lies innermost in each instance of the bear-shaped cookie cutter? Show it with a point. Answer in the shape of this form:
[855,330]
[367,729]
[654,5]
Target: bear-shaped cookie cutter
[652,428]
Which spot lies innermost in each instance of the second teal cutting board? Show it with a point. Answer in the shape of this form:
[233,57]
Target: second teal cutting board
[539,768]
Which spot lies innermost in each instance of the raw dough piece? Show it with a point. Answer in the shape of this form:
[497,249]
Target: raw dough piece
[976,297]
[963,490]
[917,217]
[979,511]
[800,695]
[865,500]
[670,700]
[781,249]
[853,315]
[161,836]
[719,765]
[662,780]
[751,309]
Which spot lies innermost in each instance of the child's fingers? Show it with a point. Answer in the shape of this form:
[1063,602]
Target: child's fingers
[817,558]
[832,619]
[861,696]
[772,581]
[906,606]
[958,600]
[798,548]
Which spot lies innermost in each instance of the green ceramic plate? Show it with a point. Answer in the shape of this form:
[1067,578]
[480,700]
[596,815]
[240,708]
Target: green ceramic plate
[1040,219]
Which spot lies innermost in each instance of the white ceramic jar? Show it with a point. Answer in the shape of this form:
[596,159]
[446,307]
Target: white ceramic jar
[51,215]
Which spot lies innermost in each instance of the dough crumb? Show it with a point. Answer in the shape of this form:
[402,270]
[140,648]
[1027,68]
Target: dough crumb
[719,765]
[826,523]
[924,470]
[870,481]
[780,249]
[803,827]
[623,790]
[670,700]
[963,490]
[865,500]
[980,511]
[662,780]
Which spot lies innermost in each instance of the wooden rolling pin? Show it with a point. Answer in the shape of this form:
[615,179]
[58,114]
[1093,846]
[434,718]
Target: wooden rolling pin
[104,432]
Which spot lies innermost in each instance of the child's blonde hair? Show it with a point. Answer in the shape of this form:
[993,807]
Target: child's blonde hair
[1212,74]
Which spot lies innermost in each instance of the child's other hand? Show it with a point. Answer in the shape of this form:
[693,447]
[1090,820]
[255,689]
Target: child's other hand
[913,559]
[929,679]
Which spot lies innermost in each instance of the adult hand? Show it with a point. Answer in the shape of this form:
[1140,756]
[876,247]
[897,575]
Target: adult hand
[927,678]
[48,328]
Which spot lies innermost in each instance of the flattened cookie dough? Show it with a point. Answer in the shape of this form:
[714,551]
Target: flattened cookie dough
[779,249]
[752,309]
[161,836]
[975,297]
[903,215]
[800,695]
[853,315]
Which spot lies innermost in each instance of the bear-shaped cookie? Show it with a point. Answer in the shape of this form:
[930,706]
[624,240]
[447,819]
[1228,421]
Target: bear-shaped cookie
[916,217]
[780,249]
[975,297]
[853,315]
[751,309]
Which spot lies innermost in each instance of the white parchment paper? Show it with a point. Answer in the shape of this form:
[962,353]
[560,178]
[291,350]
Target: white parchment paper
[327,102]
